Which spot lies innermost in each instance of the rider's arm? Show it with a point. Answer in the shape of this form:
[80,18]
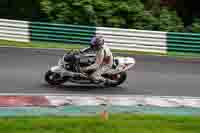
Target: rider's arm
[98,62]
[85,50]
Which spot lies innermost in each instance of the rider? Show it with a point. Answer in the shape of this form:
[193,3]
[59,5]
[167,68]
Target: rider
[104,60]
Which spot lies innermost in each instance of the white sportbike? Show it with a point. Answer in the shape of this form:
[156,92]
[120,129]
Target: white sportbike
[68,69]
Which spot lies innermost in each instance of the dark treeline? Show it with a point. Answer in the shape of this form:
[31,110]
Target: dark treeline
[162,15]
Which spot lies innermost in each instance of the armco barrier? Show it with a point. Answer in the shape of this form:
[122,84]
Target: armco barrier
[136,40]
[183,42]
[123,39]
[13,30]
[61,32]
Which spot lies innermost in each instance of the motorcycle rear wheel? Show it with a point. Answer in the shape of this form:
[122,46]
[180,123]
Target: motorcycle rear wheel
[119,78]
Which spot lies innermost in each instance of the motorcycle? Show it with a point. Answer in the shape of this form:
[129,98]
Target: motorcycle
[68,69]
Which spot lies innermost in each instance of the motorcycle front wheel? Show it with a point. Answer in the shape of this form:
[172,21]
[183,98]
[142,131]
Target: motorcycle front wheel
[54,78]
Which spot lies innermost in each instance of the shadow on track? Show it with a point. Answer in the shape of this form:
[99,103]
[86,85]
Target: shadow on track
[74,87]
[92,89]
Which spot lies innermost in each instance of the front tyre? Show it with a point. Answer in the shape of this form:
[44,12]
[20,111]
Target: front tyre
[119,78]
[53,78]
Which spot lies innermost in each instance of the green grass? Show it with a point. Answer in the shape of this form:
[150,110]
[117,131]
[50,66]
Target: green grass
[40,44]
[65,46]
[115,124]
[182,54]
[36,44]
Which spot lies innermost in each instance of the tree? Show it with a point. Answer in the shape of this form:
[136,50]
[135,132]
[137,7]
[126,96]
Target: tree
[136,14]
[195,26]
[186,9]
[169,21]
[69,11]
[23,9]
[110,13]
[152,5]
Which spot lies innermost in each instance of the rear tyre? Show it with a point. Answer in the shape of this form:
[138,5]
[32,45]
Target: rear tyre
[119,78]
[54,78]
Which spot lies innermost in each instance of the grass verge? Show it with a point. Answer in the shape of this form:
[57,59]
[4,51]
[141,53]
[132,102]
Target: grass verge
[36,44]
[65,46]
[116,124]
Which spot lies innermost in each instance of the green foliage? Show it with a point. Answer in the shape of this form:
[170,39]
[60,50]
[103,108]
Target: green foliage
[152,5]
[110,13]
[113,13]
[22,9]
[195,27]
[135,14]
[94,124]
[169,21]
[66,11]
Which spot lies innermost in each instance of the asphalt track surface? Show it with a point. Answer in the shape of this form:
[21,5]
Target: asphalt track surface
[22,71]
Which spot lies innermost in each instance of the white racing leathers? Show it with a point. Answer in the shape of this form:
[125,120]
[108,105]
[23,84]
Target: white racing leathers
[103,63]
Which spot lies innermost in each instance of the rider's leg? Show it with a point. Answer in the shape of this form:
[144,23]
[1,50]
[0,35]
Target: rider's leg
[96,76]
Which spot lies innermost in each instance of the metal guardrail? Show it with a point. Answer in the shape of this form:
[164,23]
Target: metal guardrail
[61,32]
[183,42]
[13,30]
[123,39]
[136,40]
